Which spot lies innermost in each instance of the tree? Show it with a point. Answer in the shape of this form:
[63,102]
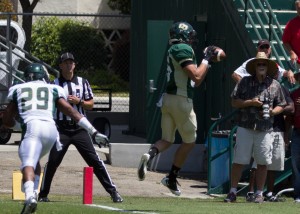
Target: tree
[6,6]
[122,5]
[28,7]
[52,36]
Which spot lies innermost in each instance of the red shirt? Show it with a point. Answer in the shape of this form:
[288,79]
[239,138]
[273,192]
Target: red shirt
[291,35]
[295,95]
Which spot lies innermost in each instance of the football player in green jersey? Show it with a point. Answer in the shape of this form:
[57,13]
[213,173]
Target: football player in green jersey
[183,75]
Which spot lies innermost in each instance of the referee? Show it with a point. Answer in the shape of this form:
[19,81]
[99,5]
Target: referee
[80,96]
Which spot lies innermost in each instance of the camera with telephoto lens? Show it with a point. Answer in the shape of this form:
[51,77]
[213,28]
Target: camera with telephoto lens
[266,107]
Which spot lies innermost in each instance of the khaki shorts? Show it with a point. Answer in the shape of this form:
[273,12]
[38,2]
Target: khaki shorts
[250,142]
[278,153]
[178,114]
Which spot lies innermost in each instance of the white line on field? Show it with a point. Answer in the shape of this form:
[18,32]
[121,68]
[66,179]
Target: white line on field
[121,210]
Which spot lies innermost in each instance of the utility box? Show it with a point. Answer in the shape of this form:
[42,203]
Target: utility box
[219,166]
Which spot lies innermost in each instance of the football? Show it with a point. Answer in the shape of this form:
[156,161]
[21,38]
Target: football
[219,55]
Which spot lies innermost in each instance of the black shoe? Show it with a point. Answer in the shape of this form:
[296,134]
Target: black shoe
[43,199]
[231,197]
[172,185]
[270,198]
[115,196]
[250,197]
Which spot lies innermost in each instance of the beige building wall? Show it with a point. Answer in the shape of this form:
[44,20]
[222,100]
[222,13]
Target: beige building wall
[83,6]
[72,6]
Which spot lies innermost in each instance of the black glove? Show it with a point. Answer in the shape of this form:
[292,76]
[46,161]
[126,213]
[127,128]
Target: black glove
[100,139]
[209,52]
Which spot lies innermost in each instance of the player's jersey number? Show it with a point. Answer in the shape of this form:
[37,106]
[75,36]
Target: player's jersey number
[42,96]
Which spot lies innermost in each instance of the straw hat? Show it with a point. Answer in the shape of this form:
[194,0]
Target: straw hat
[261,56]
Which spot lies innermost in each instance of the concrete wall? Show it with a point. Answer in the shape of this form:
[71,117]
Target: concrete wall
[128,155]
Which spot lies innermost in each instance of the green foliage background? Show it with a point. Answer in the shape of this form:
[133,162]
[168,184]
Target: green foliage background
[106,80]
[52,36]
[6,6]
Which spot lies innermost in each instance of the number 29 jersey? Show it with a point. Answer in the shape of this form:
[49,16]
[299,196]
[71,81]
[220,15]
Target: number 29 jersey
[36,100]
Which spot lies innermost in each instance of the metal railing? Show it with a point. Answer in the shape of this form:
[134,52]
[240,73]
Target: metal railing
[273,19]
[28,56]
[249,5]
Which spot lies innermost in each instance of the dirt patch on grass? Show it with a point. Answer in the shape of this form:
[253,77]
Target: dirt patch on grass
[69,178]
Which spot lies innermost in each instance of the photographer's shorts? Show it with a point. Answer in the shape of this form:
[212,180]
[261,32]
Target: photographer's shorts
[278,153]
[250,142]
[177,113]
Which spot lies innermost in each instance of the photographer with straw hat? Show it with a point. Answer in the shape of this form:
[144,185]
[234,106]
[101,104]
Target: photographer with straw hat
[259,98]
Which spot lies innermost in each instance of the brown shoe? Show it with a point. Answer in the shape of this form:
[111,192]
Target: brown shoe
[259,199]
[231,197]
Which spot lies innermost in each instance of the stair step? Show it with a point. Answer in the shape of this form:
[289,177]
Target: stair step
[269,35]
[266,26]
[283,5]
[263,35]
[282,16]
[275,4]
[267,11]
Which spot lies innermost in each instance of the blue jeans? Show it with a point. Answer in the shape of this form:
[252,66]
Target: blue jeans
[295,154]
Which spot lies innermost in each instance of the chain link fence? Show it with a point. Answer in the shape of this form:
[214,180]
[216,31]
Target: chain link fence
[99,43]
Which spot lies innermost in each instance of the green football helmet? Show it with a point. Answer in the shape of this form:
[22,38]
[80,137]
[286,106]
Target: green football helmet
[36,71]
[182,32]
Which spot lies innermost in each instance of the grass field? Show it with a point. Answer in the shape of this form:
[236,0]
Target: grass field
[73,204]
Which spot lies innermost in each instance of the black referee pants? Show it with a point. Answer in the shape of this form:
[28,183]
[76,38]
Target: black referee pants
[83,143]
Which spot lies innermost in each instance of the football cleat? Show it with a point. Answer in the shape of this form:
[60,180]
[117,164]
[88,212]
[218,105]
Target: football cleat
[29,206]
[142,170]
[172,185]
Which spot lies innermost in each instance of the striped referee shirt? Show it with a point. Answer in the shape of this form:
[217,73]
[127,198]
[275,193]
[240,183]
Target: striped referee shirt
[78,87]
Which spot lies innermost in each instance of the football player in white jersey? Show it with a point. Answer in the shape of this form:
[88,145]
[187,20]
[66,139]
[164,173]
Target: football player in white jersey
[35,102]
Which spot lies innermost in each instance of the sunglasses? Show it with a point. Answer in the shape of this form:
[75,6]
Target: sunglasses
[261,64]
[264,46]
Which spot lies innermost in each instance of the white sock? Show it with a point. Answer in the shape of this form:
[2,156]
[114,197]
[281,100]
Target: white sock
[28,187]
[233,190]
[258,192]
[36,183]
[269,194]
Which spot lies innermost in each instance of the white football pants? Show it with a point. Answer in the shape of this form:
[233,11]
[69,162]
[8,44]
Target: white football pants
[39,138]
